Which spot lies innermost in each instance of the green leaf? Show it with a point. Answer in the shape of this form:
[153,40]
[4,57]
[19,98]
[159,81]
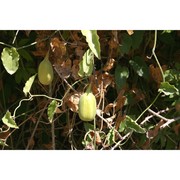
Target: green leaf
[137,38]
[122,126]
[10,59]
[167,88]
[140,67]
[51,110]
[25,54]
[166,31]
[126,44]
[86,65]
[111,137]
[2,143]
[88,126]
[131,124]
[121,75]
[92,39]
[28,84]
[9,121]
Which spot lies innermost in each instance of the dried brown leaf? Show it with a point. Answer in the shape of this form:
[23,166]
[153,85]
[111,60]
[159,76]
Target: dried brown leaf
[75,69]
[79,52]
[109,64]
[64,68]
[177,129]
[57,51]
[109,108]
[139,95]
[130,32]
[72,101]
[5,134]
[119,119]
[155,73]
[120,100]
[154,132]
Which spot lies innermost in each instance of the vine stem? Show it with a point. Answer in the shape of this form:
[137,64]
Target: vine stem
[15,37]
[148,107]
[94,133]
[31,97]
[52,123]
[154,54]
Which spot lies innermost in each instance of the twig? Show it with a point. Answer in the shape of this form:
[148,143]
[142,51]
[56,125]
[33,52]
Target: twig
[119,142]
[35,128]
[158,115]
[152,115]
[168,121]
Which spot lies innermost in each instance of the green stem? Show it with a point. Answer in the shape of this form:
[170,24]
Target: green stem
[94,133]
[148,107]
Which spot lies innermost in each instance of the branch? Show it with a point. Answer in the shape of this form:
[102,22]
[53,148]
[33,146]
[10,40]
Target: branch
[168,121]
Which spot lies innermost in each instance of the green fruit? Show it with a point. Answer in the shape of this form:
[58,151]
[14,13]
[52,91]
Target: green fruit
[45,71]
[87,106]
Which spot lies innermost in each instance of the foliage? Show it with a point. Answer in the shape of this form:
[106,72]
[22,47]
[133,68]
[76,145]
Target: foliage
[134,76]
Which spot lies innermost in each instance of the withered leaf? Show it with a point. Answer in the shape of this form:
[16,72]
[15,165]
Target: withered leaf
[120,100]
[154,132]
[72,101]
[75,69]
[109,64]
[130,32]
[63,69]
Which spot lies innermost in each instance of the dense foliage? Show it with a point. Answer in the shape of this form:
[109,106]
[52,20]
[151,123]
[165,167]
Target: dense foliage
[134,76]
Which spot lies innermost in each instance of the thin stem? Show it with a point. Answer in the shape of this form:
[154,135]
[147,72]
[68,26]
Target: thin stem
[119,142]
[154,54]
[53,135]
[8,45]
[148,107]
[15,37]
[52,122]
[35,128]
[94,133]
[168,121]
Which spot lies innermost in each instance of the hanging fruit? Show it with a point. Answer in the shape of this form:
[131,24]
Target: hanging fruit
[87,106]
[45,71]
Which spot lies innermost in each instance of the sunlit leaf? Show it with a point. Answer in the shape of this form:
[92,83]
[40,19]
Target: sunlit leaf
[2,143]
[92,39]
[122,126]
[167,31]
[28,84]
[167,88]
[140,67]
[111,137]
[51,110]
[10,59]
[131,124]
[9,121]
[86,65]
[121,75]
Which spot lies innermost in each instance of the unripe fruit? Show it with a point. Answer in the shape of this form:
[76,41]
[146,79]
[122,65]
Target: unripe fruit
[45,71]
[87,106]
